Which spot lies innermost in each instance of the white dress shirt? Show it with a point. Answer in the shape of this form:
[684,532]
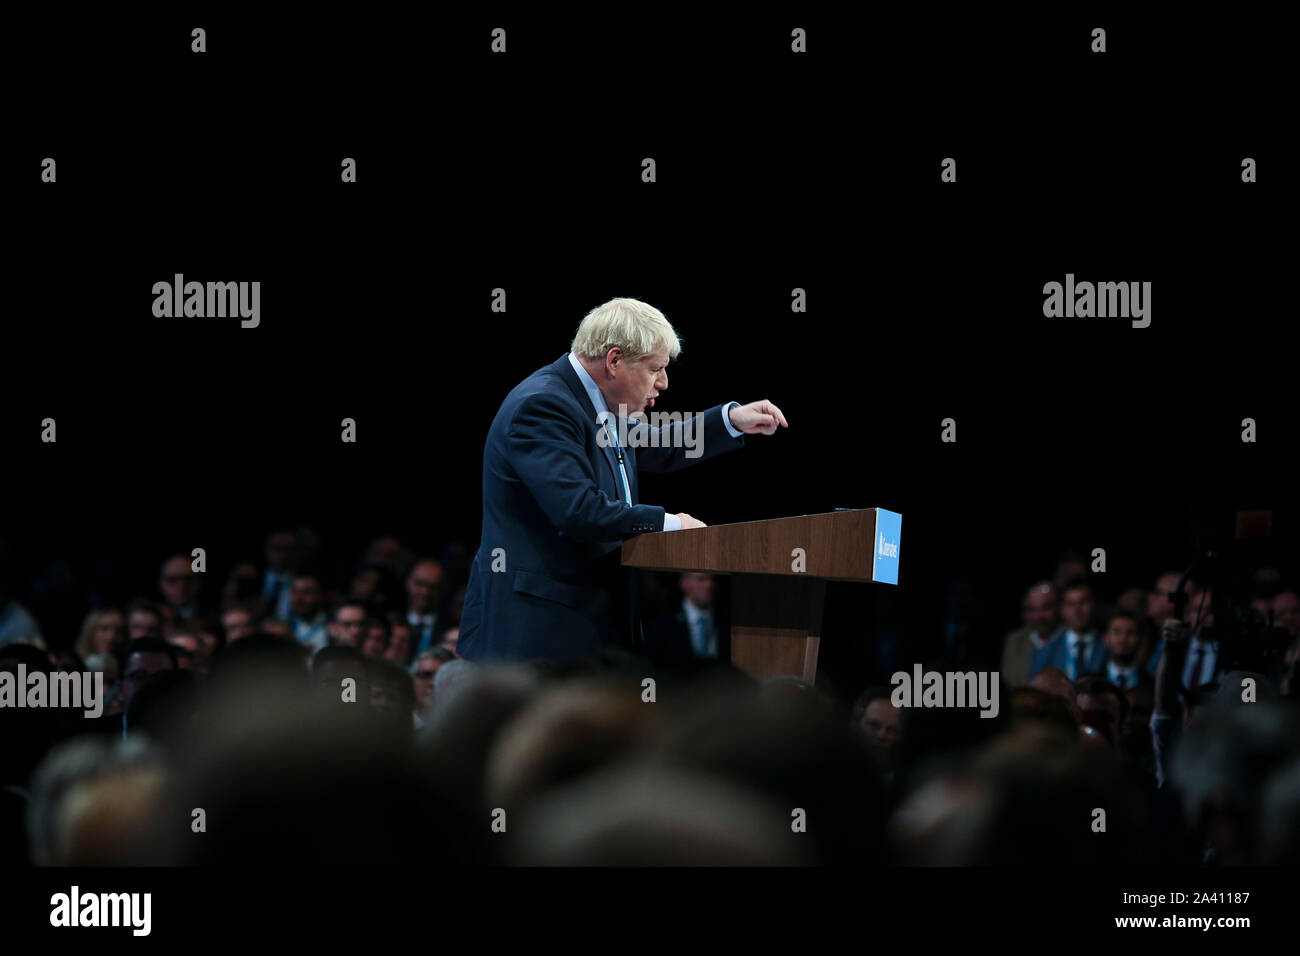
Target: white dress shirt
[1079,648]
[1123,677]
[313,633]
[280,609]
[697,619]
[424,631]
[1208,665]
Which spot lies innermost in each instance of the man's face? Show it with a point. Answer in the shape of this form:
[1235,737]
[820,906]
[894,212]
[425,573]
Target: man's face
[1040,609]
[375,641]
[1286,611]
[424,675]
[399,645]
[1068,571]
[280,550]
[1122,640]
[698,588]
[1159,607]
[1076,609]
[450,639]
[346,626]
[424,586]
[243,579]
[365,584]
[880,726]
[178,582]
[384,552]
[110,632]
[143,623]
[304,598]
[237,625]
[140,666]
[636,384]
[1133,600]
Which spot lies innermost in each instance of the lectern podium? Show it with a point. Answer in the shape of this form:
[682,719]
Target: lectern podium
[781,567]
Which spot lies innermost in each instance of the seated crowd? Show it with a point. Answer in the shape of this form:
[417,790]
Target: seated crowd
[313,720]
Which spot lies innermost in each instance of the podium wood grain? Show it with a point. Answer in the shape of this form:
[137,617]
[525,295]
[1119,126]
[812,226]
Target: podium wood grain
[776,610]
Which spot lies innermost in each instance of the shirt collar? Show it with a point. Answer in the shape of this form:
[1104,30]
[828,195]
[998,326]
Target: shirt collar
[693,612]
[589,383]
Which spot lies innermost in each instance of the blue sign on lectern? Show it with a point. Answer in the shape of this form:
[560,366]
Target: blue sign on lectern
[889,535]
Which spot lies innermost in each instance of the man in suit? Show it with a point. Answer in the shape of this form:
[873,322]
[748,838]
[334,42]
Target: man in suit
[424,585]
[179,586]
[690,630]
[560,490]
[307,617]
[1121,638]
[1078,650]
[280,551]
[1201,663]
[1039,612]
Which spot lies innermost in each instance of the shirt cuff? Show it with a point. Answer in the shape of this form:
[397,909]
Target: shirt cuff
[672,522]
[726,419]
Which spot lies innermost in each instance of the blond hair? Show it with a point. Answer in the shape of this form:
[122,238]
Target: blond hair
[631,325]
[85,645]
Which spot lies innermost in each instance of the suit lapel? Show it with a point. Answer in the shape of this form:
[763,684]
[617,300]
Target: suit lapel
[564,369]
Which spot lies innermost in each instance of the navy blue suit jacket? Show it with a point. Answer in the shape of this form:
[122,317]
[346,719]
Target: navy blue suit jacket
[554,518]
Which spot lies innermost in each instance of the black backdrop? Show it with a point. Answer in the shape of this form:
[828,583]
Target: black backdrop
[774,172]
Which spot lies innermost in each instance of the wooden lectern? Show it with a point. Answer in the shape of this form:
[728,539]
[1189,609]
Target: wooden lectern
[781,567]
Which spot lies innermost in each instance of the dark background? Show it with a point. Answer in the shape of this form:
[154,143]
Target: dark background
[775,171]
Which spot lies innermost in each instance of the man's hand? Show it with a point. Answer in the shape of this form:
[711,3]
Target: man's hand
[1174,631]
[689,522]
[757,418]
